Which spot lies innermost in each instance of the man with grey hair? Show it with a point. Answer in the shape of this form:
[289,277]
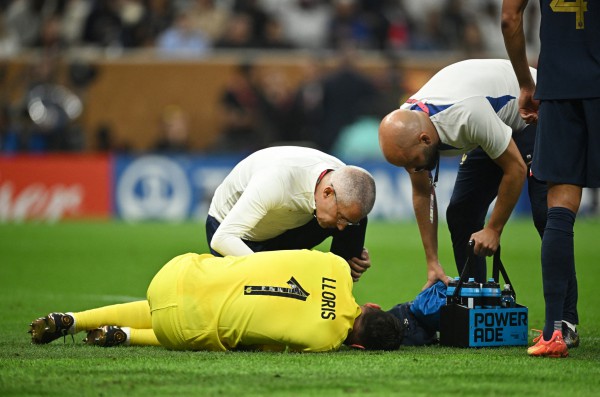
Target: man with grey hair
[290,197]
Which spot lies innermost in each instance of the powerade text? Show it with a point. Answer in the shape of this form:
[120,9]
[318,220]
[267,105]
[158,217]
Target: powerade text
[490,326]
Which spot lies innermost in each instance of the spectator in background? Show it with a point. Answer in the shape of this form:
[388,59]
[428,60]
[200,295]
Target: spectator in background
[73,14]
[240,109]
[391,85]
[10,136]
[361,23]
[347,94]
[257,109]
[103,26]
[50,109]
[488,22]
[348,26]
[274,38]
[472,42]
[182,39]
[131,13]
[305,22]
[400,28]
[50,38]
[25,18]
[10,43]
[104,138]
[159,15]
[359,140]
[453,20]
[428,35]
[174,131]
[275,104]
[325,103]
[238,33]
[375,13]
[258,17]
[307,105]
[208,18]
[310,24]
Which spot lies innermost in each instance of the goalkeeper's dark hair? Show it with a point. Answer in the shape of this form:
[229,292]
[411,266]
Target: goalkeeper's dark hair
[380,331]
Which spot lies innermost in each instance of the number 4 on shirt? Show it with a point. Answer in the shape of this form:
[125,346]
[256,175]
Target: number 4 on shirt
[576,6]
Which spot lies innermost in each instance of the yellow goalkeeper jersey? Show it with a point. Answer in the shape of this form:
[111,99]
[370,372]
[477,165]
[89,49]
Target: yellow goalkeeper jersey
[301,300]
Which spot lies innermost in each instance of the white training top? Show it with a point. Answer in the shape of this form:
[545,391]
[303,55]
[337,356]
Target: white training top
[473,103]
[267,193]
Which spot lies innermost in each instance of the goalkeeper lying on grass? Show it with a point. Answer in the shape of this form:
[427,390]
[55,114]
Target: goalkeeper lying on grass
[295,300]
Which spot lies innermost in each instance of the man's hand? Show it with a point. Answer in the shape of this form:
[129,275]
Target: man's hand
[435,272]
[528,107]
[359,265]
[486,242]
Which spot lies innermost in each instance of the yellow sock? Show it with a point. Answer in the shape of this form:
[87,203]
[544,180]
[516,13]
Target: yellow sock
[134,315]
[142,337]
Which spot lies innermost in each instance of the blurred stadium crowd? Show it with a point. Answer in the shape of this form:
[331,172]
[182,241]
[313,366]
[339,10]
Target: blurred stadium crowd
[198,26]
[257,111]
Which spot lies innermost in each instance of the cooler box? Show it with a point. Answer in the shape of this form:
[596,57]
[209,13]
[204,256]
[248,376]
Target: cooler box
[464,327]
[461,326]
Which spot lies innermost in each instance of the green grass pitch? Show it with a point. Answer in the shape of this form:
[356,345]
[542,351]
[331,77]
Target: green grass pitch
[80,265]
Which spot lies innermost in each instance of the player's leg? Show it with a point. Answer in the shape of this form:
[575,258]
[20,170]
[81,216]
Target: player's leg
[537,190]
[163,300]
[561,157]
[211,227]
[538,198]
[570,315]
[558,264]
[109,324]
[128,323]
[134,314]
[592,179]
[475,188]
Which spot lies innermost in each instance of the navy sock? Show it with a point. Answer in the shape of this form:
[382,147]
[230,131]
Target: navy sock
[558,263]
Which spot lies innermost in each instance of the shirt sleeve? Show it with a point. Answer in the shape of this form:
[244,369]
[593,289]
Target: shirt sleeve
[263,193]
[485,128]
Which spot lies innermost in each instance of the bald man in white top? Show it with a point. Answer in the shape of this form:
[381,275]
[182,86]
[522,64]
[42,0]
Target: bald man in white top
[292,197]
[469,108]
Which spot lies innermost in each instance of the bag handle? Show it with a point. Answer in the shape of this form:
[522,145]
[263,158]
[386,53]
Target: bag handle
[498,267]
[463,275]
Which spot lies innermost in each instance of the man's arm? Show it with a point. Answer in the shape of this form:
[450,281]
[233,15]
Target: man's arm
[514,41]
[252,206]
[515,171]
[421,195]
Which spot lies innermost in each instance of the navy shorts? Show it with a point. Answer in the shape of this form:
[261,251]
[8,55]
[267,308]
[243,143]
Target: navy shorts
[567,146]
